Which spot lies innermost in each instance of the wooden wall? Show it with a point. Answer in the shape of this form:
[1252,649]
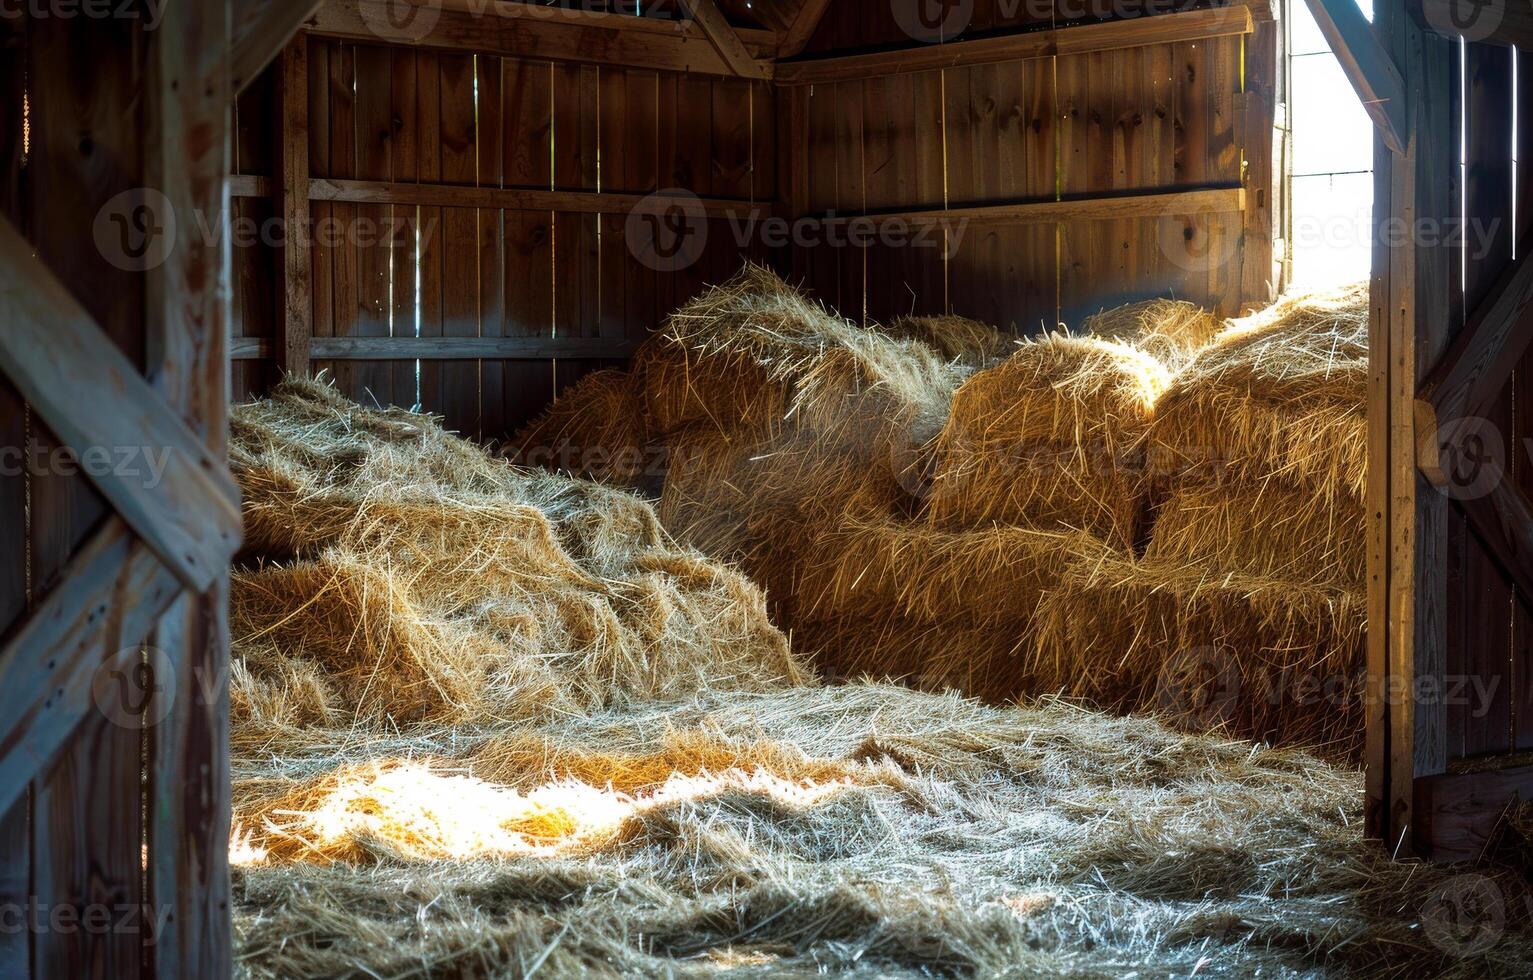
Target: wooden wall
[460,120]
[114,824]
[1489,619]
[1090,128]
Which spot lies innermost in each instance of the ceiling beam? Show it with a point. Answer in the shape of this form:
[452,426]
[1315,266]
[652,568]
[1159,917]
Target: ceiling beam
[1369,67]
[519,30]
[261,29]
[799,34]
[711,20]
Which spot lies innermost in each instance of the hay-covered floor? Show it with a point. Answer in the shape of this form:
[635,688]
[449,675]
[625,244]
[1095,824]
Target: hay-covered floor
[492,721]
[872,831]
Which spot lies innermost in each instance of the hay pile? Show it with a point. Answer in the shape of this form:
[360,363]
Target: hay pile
[400,573]
[862,831]
[1253,577]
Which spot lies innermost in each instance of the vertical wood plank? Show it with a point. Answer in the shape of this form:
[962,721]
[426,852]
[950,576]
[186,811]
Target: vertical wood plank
[370,237]
[406,228]
[459,394]
[490,147]
[528,131]
[295,269]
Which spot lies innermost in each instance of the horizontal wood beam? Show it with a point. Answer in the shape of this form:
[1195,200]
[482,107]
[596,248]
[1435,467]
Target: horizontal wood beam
[1504,22]
[1368,66]
[95,401]
[1192,26]
[110,596]
[516,199]
[498,198]
[1457,813]
[449,348]
[261,29]
[1218,200]
[521,30]
[711,21]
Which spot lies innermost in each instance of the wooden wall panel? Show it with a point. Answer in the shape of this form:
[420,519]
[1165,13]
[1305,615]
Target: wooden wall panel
[253,260]
[1484,607]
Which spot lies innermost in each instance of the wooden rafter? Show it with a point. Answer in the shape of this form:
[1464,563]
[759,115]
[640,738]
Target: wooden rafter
[1192,26]
[519,30]
[1369,67]
[711,20]
[805,23]
[91,397]
[261,29]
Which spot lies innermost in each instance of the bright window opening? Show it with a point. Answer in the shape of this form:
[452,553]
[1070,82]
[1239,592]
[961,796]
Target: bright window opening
[1332,161]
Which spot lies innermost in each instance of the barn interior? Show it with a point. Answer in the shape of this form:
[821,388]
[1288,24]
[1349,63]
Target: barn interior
[766,488]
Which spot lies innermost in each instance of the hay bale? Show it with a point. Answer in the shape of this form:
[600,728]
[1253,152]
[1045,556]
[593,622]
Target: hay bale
[1269,530]
[1280,395]
[754,354]
[458,593]
[1253,656]
[595,430]
[957,338]
[1172,331]
[1049,437]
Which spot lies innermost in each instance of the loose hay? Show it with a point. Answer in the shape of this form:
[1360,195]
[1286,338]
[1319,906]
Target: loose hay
[420,580]
[861,831]
[1049,437]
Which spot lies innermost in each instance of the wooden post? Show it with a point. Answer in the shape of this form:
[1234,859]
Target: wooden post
[1412,322]
[187,339]
[295,270]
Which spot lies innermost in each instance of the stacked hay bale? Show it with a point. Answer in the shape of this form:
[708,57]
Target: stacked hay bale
[594,431]
[1172,331]
[1248,605]
[802,445]
[1049,438]
[398,574]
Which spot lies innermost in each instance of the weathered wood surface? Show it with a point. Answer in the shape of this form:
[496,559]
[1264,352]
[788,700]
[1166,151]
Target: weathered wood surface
[53,351]
[1458,814]
[1188,27]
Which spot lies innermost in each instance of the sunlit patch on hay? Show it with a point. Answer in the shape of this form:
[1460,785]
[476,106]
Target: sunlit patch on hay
[1172,331]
